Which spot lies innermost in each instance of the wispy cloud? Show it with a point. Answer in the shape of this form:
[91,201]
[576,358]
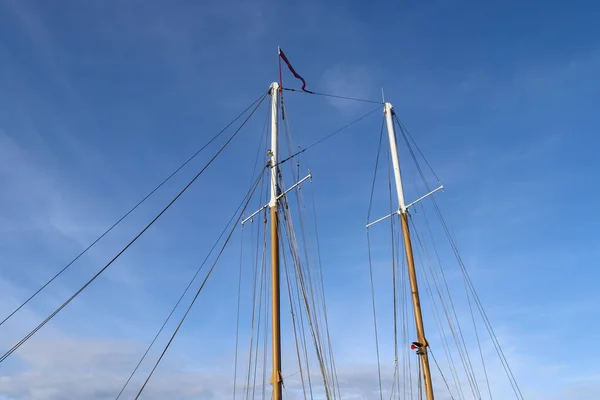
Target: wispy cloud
[148,68]
[357,81]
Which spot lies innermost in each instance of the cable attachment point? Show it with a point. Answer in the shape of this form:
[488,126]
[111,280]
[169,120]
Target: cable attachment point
[417,346]
[279,196]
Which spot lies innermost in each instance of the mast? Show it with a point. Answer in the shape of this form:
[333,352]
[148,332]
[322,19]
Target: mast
[421,343]
[276,378]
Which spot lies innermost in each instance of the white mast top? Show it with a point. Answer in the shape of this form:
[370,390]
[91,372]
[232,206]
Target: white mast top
[388,112]
[274,91]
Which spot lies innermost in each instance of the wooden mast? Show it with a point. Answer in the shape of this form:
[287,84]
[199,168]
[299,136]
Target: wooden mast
[421,343]
[276,378]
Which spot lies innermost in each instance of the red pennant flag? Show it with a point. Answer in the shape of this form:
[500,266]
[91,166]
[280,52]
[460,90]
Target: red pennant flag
[292,70]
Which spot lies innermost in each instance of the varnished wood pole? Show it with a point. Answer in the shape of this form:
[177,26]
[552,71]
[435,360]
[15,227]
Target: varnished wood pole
[276,378]
[412,275]
[276,328]
[414,289]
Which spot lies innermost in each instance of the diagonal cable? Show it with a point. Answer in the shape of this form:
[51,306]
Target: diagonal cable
[191,282]
[37,328]
[328,136]
[247,200]
[23,304]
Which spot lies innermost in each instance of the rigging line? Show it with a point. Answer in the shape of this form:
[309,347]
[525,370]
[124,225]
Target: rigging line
[334,96]
[266,330]
[256,294]
[190,284]
[407,366]
[458,337]
[404,129]
[439,262]
[262,306]
[259,297]
[374,315]
[323,291]
[306,294]
[249,197]
[485,374]
[437,319]
[23,304]
[442,374]
[295,249]
[263,282]
[375,172]
[298,301]
[287,278]
[303,334]
[492,334]
[237,318]
[463,352]
[255,278]
[311,318]
[223,232]
[328,136]
[392,392]
[420,382]
[394,265]
[466,276]
[487,323]
[313,293]
[466,354]
[29,335]
[254,256]
[399,260]
[260,145]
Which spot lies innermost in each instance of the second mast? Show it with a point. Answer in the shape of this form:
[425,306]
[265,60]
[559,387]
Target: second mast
[412,275]
[276,378]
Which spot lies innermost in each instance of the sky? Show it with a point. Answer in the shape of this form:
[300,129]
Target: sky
[101,100]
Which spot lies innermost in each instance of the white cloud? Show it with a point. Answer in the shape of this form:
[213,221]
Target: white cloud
[69,368]
[355,81]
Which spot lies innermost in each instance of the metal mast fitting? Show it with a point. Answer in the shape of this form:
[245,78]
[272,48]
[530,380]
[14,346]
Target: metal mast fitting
[388,111]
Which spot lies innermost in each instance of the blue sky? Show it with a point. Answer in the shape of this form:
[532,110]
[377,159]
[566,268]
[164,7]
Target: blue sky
[99,101]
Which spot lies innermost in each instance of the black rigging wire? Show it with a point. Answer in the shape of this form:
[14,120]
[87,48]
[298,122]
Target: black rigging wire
[53,314]
[445,345]
[307,290]
[333,365]
[375,173]
[247,200]
[498,348]
[441,374]
[334,96]
[127,213]
[315,283]
[371,268]
[328,136]
[237,327]
[191,282]
[457,334]
[394,272]
[422,251]
[405,132]
[295,329]
[237,317]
